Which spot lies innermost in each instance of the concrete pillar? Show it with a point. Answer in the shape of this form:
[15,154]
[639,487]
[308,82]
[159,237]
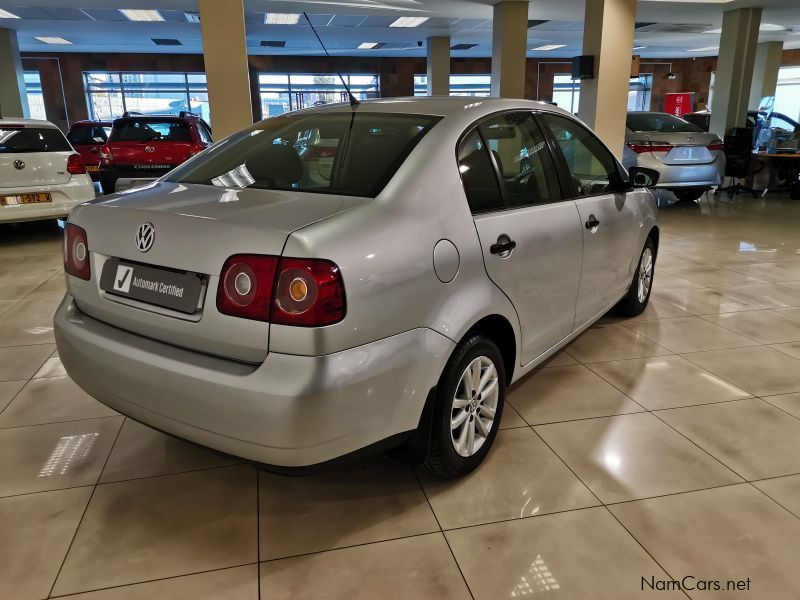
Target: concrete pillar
[225,54]
[13,99]
[509,47]
[439,65]
[608,36]
[765,72]
[737,53]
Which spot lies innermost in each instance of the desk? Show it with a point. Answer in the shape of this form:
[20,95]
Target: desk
[792,162]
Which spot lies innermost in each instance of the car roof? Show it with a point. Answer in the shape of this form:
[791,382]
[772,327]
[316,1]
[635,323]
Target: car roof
[21,121]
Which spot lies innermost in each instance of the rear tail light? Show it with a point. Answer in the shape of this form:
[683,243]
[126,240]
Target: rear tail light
[286,291]
[718,145]
[196,149]
[643,146]
[75,165]
[76,252]
[106,158]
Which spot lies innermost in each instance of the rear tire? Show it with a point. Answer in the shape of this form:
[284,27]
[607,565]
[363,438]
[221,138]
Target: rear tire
[635,301]
[470,395]
[690,194]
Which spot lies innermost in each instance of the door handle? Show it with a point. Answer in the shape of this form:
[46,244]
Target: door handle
[503,246]
[592,223]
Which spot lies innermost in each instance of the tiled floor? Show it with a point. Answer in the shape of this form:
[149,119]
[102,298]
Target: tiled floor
[657,447]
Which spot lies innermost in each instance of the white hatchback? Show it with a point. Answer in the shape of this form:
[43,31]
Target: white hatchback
[41,175]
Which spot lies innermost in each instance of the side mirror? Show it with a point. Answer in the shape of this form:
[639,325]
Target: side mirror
[642,177]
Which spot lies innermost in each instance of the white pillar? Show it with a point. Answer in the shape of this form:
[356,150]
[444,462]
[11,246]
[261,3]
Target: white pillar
[608,36]
[765,72]
[737,53]
[13,98]
[509,48]
[225,55]
[439,65]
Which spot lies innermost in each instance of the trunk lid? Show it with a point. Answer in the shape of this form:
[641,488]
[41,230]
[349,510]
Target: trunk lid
[687,148]
[33,169]
[152,153]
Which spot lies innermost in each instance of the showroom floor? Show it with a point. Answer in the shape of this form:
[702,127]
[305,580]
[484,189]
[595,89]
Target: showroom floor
[658,447]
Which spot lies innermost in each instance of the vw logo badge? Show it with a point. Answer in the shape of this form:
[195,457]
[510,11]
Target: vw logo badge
[689,139]
[149,149]
[145,236]
[19,165]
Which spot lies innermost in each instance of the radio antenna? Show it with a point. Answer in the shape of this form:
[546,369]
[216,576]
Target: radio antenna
[353,100]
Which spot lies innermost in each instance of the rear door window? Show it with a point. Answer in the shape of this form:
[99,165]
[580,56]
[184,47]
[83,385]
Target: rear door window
[141,130]
[478,175]
[17,140]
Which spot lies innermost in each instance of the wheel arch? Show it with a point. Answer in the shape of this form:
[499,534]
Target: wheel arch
[500,331]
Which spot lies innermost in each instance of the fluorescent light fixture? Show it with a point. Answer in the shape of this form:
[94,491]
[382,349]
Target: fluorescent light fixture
[368,45]
[770,27]
[547,47]
[52,40]
[4,14]
[136,14]
[282,19]
[408,22]
[639,47]
[706,49]
[717,30]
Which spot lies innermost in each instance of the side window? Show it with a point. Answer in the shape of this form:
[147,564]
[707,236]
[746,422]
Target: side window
[205,137]
[478,175]
[592,166]
[523,159]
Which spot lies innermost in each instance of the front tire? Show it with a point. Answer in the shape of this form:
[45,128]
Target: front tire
[635,301]
[467,409]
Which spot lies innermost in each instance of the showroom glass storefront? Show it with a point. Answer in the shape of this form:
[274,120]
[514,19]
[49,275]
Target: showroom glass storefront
[282,92]
[460,85]
[566,92]
[33,90]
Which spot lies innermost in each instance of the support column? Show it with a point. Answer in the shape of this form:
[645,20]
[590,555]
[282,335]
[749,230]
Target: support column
[439,65]
[225,54]
[509,47]
[13,99]
[608,36]
[765,72]
[737,53]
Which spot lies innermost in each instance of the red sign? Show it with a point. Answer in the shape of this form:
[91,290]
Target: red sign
[678,104]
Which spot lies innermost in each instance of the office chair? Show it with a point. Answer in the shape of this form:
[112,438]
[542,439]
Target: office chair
[738,156]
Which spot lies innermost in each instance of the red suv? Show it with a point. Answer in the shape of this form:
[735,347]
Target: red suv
[87,137]
[145,147]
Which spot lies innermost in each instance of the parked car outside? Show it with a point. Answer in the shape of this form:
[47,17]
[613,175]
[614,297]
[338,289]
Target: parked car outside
[142,148]
[258,303]
[87,137]
[689,161]
[41,175]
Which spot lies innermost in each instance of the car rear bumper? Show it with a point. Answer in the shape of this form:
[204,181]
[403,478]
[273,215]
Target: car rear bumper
[289,411]
[65,197]
[677,176]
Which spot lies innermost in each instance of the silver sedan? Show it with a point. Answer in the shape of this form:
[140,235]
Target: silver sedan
[341,279]
[689,160]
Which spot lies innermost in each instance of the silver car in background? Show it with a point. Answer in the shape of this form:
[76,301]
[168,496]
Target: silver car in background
[293,301]
[689,160]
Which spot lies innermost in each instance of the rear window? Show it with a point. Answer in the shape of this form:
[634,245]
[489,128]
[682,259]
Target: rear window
[147,130]
[14,140]
[354,154]
[88,134]
[658,122]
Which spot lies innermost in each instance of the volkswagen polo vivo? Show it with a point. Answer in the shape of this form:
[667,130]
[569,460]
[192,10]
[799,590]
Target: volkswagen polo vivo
[292,307]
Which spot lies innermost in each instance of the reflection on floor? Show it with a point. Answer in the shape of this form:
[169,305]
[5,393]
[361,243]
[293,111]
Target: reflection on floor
[651,449]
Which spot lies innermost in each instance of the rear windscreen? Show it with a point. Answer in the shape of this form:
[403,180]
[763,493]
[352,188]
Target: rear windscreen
[147,130]
[660,123]
[15,140]
[88,134]
[353,154]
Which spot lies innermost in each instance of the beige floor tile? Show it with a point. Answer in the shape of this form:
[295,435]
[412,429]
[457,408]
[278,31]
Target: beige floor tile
[791,313]
[774,272]
[36,532]
[666,261]
[667,382]
[16,289]
[784,490]
[768,295]
[53,286]
[237,583]
[612,342]
[752,437]
[787,402]
[716,276]
[565,394]
[21,362]
[511,418]
[730,533]
[794,285]
[5,305]
[521,477]
[762,326]
[159,527]
[665,280]
[9,389]
[561,359]
[29,322]
[702,301]
[143,452]
[52,367]
[538,557]
[760,370]
[633,456]
[722,258]
[52,400]
[352,504]
[689,334]
[416,567]
[49,457]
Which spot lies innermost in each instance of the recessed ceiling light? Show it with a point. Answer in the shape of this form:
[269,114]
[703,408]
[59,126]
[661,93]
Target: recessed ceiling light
[282,19]
[770,27]
[368,45]
[717,30]
[706,49]
[408,22]
[136,14]
[4,14]
[547,47]
[639,47]
[52,40]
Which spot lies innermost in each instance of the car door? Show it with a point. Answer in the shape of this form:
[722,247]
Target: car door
[530,236]
[610,220]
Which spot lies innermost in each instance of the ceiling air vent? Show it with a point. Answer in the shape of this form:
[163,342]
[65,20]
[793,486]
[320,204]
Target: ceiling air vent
[462,46]
[273,43]
[166,42]
[535,22]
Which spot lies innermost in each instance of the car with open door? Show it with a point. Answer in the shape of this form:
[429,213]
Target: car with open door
[346,279]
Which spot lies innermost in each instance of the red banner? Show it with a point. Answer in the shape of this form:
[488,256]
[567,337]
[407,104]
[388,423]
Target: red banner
[678,104]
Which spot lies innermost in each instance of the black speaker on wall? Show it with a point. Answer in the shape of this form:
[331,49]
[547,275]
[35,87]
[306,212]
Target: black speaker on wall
[583,67]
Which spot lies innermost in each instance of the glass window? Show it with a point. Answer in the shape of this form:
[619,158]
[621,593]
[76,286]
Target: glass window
[566,92]
[592,166]
[33,89]
[460,85]
[522,158]
[787,92]
[145,130]
[478,175]
[660,122]
[284,92]
[339,153]
[15,139]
